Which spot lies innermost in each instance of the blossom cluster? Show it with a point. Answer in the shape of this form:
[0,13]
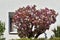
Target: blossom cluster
[28,17]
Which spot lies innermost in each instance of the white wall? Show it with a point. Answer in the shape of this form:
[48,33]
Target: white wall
[12,5]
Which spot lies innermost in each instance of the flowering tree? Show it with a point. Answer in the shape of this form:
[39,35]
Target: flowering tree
[28,18]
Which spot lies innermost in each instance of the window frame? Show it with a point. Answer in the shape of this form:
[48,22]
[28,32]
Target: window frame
[10,23]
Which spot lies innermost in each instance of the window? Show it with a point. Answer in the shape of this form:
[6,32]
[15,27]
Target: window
[12,30]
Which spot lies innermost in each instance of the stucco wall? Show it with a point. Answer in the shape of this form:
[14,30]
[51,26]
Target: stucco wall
[12,5]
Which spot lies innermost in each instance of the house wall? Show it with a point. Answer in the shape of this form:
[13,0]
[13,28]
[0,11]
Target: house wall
[12,5]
